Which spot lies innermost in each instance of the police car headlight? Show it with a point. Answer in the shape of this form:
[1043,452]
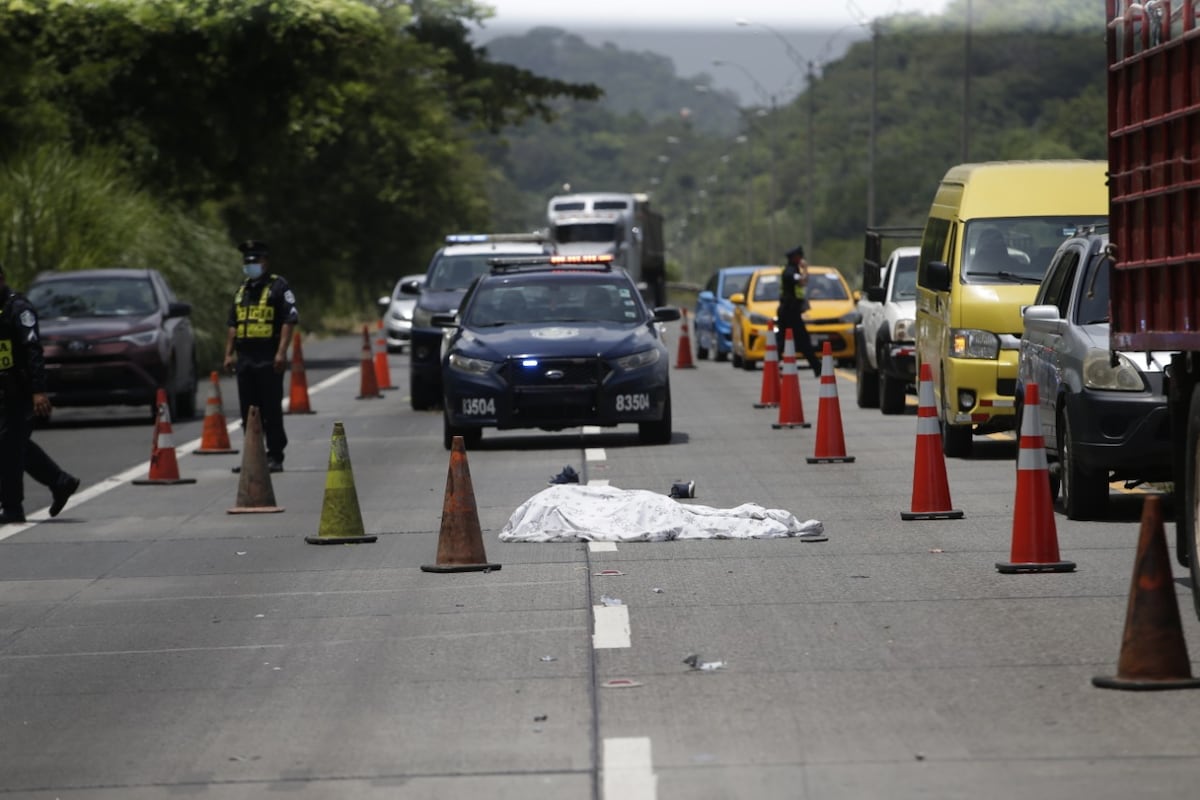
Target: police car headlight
[972,343]
[471,366]
[759,319]
[639,360]
[905,330]
[139,339]
[1099,373]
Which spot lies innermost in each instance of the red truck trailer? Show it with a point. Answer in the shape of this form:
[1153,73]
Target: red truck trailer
[1154,217]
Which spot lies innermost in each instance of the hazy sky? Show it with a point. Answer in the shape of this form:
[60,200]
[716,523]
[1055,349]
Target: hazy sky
[679,13]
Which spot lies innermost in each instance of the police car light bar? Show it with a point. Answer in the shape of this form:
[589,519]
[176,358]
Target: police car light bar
[599,261]
[476,238]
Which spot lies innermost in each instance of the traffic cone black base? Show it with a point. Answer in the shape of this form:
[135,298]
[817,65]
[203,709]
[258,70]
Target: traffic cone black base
[778,425]
[460,540]
[1009,568]
[1153,652]
[830,459]
[952,513]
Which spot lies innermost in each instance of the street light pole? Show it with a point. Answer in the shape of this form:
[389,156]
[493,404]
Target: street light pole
[873,124]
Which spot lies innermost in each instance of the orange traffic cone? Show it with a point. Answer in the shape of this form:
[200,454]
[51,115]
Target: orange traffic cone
[931,490]
[460,541]
[831,444]
[164,469]
[368,385]
[214,438]
[298,393]
[791,408]
[683,359]
[1034,538]
[383,376]
[255,494]
[768,397]
[1153,652]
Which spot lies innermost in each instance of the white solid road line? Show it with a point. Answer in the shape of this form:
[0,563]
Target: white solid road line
[113,481]
[628,770]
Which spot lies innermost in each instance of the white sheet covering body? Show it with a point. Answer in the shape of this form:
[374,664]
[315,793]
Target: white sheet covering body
[582,513]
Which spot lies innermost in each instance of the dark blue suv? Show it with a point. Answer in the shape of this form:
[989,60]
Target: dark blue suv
[463,259]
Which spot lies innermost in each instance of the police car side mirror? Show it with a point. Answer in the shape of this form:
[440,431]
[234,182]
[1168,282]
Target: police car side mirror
[666,314]
[178,310]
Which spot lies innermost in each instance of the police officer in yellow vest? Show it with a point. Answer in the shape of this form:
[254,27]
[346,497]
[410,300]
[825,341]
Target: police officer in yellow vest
[261,322]
[793,302]
[22,395]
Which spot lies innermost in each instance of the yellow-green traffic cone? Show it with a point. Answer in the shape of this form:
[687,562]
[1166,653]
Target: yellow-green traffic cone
[341,521]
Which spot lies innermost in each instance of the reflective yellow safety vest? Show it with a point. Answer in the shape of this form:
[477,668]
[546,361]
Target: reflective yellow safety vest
[7,361]
[255,322]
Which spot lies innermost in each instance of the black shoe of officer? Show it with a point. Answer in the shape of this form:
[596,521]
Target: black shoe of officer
[61,493]
[274,465]
[11,517]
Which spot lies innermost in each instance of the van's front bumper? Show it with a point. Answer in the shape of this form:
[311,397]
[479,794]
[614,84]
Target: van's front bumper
[981,392]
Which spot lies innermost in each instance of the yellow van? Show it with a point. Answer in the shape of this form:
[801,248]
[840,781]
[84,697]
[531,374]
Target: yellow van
[991,232]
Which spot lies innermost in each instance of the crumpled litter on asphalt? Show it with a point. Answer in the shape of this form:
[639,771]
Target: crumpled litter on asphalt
[586,513]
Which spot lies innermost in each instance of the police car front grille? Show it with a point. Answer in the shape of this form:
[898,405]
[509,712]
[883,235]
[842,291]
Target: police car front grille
[555,389]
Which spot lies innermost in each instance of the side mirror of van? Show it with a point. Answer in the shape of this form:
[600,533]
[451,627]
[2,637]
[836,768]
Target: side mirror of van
[937,276]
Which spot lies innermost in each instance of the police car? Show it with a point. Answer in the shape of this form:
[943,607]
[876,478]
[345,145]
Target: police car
[555,342]
[462,259]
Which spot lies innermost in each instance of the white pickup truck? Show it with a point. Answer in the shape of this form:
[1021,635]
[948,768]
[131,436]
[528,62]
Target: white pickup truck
[885,361]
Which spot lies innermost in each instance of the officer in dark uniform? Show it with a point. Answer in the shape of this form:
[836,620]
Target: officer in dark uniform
[261,321]
[793,302]
[22,395]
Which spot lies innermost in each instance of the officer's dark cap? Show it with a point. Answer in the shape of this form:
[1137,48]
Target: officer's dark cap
[795,252]
[253,250]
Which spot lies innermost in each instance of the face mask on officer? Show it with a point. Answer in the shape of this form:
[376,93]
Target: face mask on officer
[252,270]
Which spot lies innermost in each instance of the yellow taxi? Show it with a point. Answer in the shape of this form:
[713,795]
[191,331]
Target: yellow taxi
[831,316]
[832,313]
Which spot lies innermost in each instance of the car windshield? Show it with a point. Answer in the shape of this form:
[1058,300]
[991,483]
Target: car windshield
[547,300]
[905,285]
[93,297]
[734,284]
[1016,249]
[826,286]
[457,272]
[766,288]
[1093,294]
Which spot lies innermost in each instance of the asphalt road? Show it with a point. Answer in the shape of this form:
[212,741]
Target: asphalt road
[153,645]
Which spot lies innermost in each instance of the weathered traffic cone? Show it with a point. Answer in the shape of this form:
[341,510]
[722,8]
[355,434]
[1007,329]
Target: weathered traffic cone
[255,494]
[683,358]
[930,490]
[831,443]
[341,519]
[164,468]
[214,437]
[1034,537]
[298,392]
[460,540]
[383,375]
[791,407]
[768,396]
[368,385]
[1153,651]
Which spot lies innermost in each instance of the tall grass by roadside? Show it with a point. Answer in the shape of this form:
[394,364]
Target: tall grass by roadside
[63,211]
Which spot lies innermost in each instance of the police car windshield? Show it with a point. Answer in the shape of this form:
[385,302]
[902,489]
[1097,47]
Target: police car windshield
[457,272]
[93,297]
[536,301]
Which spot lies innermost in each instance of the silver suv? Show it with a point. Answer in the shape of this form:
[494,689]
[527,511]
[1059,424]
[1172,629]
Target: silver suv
[1103,413]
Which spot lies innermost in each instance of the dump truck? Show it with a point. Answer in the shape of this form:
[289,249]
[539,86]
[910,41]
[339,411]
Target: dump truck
[1154,216]
[622,224]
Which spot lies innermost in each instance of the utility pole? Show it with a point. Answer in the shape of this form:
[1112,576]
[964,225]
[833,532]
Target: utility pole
[874,123]
[810,202]
[966,91]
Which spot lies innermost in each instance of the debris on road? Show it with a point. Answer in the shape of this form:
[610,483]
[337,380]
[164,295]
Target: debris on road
[693,661]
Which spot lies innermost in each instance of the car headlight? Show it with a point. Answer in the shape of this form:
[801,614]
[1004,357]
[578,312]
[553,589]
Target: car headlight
[905,330]
[401,314]
[972,343]
[422,317]
[471,366]
[639,360]
[759,319]
[138,338]
[725,315]
[1099,373]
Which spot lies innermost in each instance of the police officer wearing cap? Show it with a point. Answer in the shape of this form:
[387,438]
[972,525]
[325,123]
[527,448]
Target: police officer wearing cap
[793,302]
[261,321]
